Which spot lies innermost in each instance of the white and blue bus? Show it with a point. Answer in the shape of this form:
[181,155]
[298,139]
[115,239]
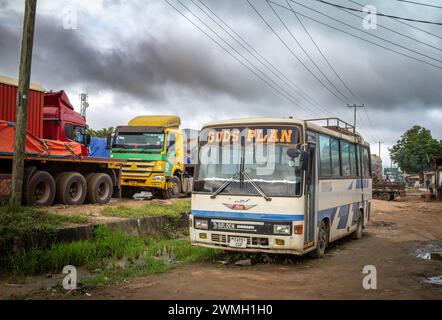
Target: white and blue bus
[280,185]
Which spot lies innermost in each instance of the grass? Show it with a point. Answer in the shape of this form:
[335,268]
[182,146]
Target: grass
[116,256]
[149,210]
[23,221]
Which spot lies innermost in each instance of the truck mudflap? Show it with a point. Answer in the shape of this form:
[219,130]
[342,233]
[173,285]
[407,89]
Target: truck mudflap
[5,185]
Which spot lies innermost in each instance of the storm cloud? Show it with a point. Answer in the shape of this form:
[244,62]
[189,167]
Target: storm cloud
[143,57]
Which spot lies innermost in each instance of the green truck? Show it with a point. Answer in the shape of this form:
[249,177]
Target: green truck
[156,154]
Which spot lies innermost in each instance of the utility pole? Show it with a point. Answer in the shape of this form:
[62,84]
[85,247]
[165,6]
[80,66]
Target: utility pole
[24,80]
[355,108]
[380,142]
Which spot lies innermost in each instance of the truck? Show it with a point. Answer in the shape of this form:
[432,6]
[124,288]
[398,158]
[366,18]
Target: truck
[57,165]
[385,189]
[157,155]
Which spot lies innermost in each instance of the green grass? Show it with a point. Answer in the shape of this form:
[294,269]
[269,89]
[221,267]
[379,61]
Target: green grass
[149,210]
[23,221]
[105,252]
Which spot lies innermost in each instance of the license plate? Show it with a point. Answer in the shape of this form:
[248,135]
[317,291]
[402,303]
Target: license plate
[238,242]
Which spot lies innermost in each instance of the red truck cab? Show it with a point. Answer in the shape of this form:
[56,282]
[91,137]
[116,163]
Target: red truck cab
[61,122]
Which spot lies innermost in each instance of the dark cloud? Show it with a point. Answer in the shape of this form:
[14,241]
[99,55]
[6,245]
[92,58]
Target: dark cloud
[165,66]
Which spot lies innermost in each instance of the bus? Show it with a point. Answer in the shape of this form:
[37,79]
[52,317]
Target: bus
[280,185]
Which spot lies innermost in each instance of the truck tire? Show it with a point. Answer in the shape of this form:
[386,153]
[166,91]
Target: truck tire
[40,191]
[322,242]
[385,196]
[176,189]
[360,225]
[71,189]
[99,188]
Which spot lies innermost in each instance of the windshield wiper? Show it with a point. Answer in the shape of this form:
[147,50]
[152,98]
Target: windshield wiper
[224,185]
[257,188]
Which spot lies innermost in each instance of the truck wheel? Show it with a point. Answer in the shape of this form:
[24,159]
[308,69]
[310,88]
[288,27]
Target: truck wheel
[385,196]
[40,191]
[99,188]
[71,189]
[176,187]
[322,242]
[358,233]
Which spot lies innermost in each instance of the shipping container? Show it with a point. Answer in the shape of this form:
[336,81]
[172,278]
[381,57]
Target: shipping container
[8,100]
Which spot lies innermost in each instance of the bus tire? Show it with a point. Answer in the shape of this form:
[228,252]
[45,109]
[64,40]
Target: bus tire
[176,189]
[72,189]
[360,225]
[322,242]
[99,188]
[40,191]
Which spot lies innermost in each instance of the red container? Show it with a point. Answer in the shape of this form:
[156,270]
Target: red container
[8,100]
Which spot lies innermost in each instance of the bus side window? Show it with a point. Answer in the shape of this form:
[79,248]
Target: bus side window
[345,158]
[353,162]
[367,171]
[325,157]
[336,165]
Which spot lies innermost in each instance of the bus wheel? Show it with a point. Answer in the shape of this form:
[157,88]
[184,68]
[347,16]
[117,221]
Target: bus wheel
[99,188]
[322,242]
[40,191]
[72,189]
[358,233]
[176,187]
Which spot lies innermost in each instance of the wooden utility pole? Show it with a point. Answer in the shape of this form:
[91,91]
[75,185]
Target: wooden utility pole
[355,107]
[24,80]
[380,142]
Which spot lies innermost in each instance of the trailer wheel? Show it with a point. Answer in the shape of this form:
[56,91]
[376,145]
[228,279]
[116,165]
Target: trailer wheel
[71,189]
[99,188]
[385,196]
[40,191]
[322,242]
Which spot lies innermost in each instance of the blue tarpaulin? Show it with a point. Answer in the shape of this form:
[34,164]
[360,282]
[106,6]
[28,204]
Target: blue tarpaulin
[98,148]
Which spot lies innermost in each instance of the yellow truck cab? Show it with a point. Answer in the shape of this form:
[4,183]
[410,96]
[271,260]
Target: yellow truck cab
[154,147]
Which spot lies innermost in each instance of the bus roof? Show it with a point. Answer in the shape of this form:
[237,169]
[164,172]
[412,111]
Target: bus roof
[288,120]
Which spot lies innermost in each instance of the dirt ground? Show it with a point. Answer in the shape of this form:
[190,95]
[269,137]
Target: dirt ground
[399,231]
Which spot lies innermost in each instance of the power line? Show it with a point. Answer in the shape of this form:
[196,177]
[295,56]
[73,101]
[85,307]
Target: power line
[404,23]
[394,31]
[358,37]
[381,14]
[291,51]
[230,53]
[373,35]
[308,56]
[421,4]
[322,54]
[257,56]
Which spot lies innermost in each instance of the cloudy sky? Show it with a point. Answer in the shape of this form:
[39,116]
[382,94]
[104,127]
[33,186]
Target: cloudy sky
[144,57]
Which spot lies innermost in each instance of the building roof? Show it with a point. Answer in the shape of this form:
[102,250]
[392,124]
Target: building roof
[14,82]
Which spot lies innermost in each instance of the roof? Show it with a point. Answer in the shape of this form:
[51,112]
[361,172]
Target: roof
[281,121]
[14,82]
[156,121]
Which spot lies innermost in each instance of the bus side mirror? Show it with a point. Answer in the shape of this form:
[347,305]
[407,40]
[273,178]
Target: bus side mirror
[108,141]
[293,153]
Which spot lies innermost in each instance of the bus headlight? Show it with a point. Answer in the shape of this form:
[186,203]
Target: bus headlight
[201,224]
[281,229]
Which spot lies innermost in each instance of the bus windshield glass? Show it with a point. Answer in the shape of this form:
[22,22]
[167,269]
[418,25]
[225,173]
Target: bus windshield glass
[246,156]
[148,141]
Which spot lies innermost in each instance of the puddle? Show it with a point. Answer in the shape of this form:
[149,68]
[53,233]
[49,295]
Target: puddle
[434,280]
[430,252]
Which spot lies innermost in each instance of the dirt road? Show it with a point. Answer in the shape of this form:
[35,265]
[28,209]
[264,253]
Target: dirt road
[399,230]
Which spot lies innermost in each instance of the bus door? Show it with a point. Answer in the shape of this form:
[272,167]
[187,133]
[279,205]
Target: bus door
[310,192]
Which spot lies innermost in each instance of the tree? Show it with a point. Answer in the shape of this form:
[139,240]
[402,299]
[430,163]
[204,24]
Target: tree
[414,150]
[100,133]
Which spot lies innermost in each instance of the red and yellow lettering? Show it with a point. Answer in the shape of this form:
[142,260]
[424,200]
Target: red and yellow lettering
[211,137]
[226,136]
[251,135]
[235,135]
[286,136]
